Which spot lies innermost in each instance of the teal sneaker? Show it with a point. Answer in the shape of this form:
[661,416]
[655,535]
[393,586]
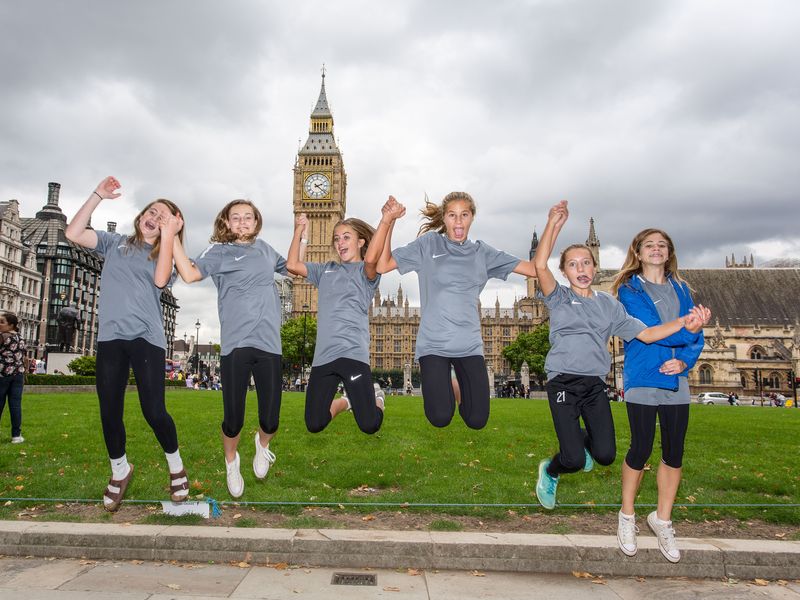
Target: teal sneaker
[546,486]
[589,464]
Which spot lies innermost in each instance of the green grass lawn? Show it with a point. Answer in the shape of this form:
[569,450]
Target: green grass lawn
[734,455]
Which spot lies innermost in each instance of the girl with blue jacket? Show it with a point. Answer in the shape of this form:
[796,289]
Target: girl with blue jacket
[655,381]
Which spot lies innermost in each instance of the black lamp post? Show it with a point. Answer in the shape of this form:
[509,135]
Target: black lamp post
[303,350]
[196,349]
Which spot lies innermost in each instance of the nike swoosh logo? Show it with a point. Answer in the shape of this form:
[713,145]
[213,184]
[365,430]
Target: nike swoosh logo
[329,271]
[576,302]
[439,255]
[122,246]
[354,377]
[657,301]
[238,258]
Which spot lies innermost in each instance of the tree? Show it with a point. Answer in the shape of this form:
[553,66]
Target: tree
[531,348]
[83,365]
[292,340]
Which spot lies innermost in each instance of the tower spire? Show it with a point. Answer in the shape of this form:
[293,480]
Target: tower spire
[593,242]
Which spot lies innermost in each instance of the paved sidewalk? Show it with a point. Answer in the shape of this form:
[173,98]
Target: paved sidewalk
[508,552]
[73,579]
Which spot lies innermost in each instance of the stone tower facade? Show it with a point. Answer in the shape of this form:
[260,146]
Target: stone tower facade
[320,191]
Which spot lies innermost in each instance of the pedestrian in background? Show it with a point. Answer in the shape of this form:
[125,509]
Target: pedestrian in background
[12,372]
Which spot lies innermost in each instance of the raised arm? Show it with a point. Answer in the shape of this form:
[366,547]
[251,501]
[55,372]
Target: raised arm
[386,262]
[169,233]
[186,268]
[693,322]
[76,230]
[391,211]
[296,254]
[556,218]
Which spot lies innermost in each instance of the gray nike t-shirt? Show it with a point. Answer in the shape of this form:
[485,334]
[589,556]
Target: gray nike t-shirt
[130,302]
[247,297]
[668,306]
[345,295]
[580,329]
[451,277]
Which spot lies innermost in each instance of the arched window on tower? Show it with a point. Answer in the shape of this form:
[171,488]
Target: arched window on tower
[757,353]
[706,374]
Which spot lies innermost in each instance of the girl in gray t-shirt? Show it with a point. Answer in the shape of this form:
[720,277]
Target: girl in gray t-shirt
[130,335]
[346,289]
[243,268]
[452,271]
[581,323]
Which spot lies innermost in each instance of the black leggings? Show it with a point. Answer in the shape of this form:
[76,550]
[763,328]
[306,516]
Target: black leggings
[673,420]
[236,369]
[573,397]
[357,380]
[115,358]
[437,389]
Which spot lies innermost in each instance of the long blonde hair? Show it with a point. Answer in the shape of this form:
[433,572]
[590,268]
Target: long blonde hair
[434,213]
[633,266]
[137,239]
[222,232]
[363,230]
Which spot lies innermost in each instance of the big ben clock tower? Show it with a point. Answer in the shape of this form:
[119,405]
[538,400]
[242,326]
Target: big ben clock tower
[320,186]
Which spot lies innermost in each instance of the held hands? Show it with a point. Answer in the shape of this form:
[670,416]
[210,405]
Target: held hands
[171,225]
[559,214]
[108,188]
[698,317]
[392,210]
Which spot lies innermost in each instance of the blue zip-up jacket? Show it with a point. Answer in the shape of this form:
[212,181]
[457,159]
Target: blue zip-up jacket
[642,361]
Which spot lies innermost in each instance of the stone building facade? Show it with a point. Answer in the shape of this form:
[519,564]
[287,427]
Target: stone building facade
[20,281]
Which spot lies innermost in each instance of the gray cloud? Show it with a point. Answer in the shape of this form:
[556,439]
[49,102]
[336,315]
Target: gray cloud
[679,114]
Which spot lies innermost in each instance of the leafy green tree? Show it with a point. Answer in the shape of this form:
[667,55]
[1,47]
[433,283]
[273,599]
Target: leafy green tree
[83,365]
[531,348]
[292,340]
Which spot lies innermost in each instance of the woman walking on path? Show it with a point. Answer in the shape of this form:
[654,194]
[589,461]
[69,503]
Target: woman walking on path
[346,289]
[136,269]
[452,271]
[650,288]
[12,372]
[581,322]
[243,267]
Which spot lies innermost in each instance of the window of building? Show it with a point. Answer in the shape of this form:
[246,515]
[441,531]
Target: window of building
[757,353]
[706,375]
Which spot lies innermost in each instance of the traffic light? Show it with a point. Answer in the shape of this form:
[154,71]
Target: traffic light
[790,377]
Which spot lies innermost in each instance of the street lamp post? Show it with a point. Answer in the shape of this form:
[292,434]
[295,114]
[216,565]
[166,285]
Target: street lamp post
[303,350]
[196,349]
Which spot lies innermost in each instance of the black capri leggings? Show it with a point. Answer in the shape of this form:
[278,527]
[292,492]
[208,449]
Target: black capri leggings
[357,380]
[236,369]
[572,398]
[115,358]
[673,420]
[437,389]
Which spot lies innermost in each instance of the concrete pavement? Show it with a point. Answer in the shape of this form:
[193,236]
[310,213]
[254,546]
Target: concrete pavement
[74,579]
[508,552]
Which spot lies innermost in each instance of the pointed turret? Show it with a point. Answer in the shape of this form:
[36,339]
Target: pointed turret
[593,243]
[534,245]
[320,130]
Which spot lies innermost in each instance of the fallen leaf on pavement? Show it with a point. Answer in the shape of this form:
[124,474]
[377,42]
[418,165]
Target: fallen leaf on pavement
[582,575]
[761,582]
[412,572]
[478,574]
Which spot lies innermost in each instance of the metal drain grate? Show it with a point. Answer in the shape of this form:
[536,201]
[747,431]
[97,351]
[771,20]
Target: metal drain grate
[354,579]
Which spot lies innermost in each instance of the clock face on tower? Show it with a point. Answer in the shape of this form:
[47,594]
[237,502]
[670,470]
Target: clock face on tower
[317,186]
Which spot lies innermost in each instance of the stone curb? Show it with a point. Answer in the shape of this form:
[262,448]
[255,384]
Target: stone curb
[510,552]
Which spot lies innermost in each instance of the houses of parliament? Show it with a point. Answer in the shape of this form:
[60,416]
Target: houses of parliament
[752,345]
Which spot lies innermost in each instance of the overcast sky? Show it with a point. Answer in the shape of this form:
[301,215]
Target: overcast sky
[678,114]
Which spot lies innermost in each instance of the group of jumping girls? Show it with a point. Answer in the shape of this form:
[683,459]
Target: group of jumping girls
[662,330]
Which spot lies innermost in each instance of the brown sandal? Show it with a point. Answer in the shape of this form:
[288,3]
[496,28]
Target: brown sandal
[178,483]
[116,496]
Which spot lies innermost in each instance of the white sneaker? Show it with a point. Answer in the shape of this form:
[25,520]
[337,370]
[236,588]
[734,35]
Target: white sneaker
[626,534]
[380,396]
[17,439]
[666,537]
[234,477]
[263,459]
